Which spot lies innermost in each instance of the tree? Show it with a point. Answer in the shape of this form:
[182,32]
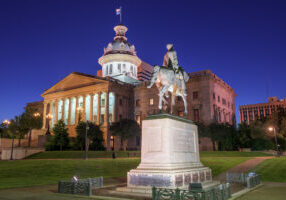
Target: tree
[244,135]
[32,120]
[94,134]
[125,129]
[61,137]
[18,128]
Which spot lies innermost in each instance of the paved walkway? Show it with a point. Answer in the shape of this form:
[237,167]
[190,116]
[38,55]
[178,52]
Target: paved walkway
[243,167]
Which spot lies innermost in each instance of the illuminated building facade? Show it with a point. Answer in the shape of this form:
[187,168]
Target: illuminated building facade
[252,112]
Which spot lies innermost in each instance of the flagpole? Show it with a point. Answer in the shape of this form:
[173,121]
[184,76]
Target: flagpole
[120,15]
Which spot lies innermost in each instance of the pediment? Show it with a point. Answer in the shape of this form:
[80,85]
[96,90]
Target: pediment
[73,81]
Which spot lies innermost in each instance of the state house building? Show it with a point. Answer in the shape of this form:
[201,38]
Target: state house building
[119,91]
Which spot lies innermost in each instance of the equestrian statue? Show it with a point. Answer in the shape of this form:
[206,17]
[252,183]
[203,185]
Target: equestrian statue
[170,78]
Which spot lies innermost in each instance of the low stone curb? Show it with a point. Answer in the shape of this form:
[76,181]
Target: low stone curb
[242,192]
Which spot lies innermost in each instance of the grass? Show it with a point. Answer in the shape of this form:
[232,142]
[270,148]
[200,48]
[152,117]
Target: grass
[40,172]
[22,173]
[232,154]
[266,192]
[80,154]
[106,154]
[273,170]
[222,164]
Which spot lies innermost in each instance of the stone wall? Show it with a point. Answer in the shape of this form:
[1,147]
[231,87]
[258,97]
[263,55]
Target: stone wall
[19,152]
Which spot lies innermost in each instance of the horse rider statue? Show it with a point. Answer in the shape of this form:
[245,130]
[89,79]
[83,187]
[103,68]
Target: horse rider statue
[170,78]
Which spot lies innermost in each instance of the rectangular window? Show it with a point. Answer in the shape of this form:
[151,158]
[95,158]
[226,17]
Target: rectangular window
[223,101]
[218,98]
[138,103]
[120,102]
[119,67]
[110,68]
[151,101]
[213,95]
[95,105]
[195,95]
[196,115]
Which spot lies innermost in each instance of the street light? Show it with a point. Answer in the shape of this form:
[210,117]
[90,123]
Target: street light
[48,116]
[86,130]
[37,114]
[6,123]
[274,130]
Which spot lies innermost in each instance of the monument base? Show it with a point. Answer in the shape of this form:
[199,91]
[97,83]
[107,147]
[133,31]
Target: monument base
[169,156]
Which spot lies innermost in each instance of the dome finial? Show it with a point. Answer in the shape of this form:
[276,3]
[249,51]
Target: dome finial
[120,31]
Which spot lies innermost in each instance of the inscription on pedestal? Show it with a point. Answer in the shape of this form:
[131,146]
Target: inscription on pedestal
[178,180]
[187,179]
[154,138]
[183,141]
[195,177]
[202,176]
[153,180]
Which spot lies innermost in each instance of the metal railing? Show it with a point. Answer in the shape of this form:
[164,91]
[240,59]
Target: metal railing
[220,192]
[249,180]
[80,186]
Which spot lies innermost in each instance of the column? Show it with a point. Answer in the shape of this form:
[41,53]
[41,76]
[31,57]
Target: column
[76,110]
[83,107]
[106,121]
[44,115]
[114,106]
[63,109]
[98,108]
[69,111]
[91,107]
[56,111]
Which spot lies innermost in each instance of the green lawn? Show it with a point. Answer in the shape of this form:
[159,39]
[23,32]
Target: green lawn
[232,154]
[266,192]
[106,154]
[23,173]
[222,164]
[80,154]
[273,170]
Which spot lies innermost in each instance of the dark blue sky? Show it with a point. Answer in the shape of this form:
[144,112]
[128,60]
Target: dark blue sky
[41,42]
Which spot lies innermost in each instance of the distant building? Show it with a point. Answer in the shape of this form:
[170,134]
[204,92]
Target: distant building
[249,113]
[119,91]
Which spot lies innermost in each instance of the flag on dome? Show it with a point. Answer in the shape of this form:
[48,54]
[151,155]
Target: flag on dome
[118,11]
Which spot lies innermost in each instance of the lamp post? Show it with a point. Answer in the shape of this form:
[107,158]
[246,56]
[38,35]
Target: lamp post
[48,116]
[6,123]
[275,135]
[112,139]
[86,130]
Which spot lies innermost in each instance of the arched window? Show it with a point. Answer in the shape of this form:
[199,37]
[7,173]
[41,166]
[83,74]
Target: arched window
[131,69]
[110,68]
[106,70]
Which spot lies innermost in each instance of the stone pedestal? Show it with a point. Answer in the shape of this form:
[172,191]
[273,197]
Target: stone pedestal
[169,155]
